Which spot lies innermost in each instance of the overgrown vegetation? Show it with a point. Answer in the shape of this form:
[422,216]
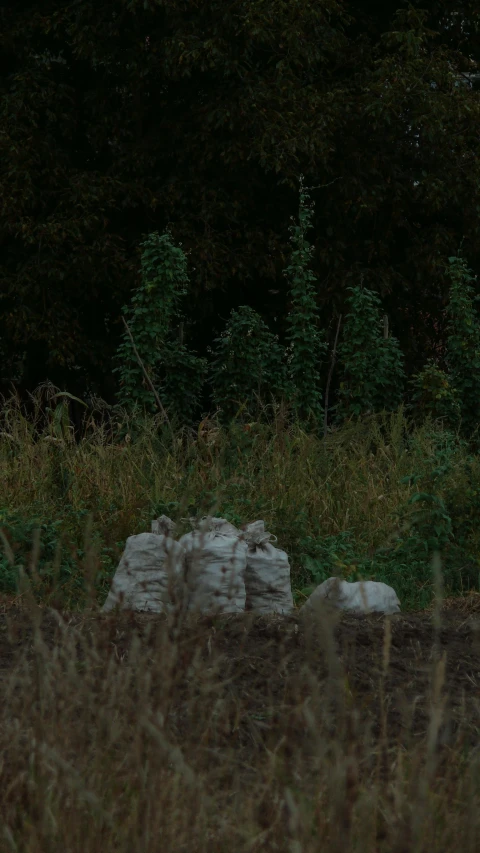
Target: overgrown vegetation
[374,499]
[240,734]
[178,733]
[122,119]
[374,496]
[172,369]
[370,358]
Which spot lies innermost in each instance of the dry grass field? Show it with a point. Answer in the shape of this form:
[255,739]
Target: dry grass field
[130,732]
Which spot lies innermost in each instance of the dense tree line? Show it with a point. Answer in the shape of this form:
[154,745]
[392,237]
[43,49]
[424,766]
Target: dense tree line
[120,119]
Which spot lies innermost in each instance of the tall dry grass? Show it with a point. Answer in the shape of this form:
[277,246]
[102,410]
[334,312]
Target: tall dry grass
[306,488]
[136,733]
[239,734]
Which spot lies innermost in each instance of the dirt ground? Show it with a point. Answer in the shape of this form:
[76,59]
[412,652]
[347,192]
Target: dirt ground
[268,662]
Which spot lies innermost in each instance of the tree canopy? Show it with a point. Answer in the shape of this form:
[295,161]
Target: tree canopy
[122,118]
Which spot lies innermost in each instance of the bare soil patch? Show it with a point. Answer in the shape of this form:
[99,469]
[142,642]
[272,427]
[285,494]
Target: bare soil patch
[268,663]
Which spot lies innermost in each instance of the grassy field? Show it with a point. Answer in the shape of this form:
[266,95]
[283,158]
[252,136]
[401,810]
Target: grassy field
[372,500]
[137,733]
[128,732]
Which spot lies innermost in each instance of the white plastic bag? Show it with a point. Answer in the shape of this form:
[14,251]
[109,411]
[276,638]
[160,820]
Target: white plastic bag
[361,597]
[214,567]
[150,564]
[267,577]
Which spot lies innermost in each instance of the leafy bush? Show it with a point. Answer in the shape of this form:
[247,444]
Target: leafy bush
[453,396]
[177,375]
[247,367]
[372,365]
[434,396]
[250,365]
[440,515]
[57,569]
[463,344]
[339,555]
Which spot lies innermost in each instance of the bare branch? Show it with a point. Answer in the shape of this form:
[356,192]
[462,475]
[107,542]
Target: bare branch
[149,381]
[329,379]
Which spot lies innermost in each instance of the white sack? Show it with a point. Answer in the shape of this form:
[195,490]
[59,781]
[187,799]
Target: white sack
[267,577]
[360,597]
[163,526]
[215,563]
[149,562]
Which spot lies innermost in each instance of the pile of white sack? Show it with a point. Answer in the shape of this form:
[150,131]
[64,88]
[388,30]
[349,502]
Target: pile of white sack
[217,568]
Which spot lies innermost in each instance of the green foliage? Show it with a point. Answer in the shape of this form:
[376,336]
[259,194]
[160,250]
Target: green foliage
[464,506]
[306,344]
[266,91]
[247,365]
[326,557]
[402,567]
[434,396]
[58,567]
[177,375]
[302,487]
[453,396]
[429,523]
[250,366]
[372,365]
[182,379]
[438,516]
[11,366]
[463,344]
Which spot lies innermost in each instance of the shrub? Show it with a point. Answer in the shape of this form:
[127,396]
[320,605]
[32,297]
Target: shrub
[463,345]
[177,374]
[247,366]
[58,566]
[434,396]
[373,373]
